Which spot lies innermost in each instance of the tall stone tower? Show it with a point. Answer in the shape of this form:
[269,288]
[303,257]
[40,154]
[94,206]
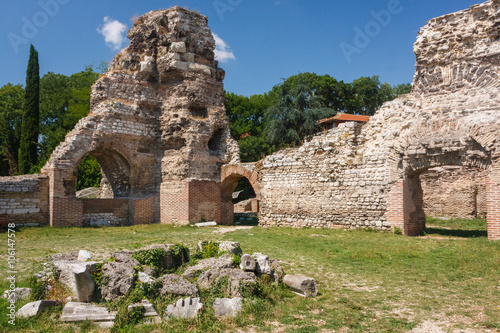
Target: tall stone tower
[157,127]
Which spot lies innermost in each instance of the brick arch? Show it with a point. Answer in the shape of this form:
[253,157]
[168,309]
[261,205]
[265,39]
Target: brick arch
[116,171]
[455,148]
[230,175]
[62,169]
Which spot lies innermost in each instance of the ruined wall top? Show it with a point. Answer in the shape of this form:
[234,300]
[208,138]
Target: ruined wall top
[455,50]
[163,41]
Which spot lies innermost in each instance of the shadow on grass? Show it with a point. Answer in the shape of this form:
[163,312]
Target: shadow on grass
[456,232]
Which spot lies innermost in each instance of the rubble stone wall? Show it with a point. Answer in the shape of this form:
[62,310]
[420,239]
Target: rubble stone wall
[24,200]
[454,192]
[369,175]
[157,120]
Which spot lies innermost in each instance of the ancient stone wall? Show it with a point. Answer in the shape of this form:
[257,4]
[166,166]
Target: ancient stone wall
[369,176]
[157,122]
[24,200]
[454,192]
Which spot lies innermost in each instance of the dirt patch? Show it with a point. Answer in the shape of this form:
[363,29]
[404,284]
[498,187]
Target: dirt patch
[224,230]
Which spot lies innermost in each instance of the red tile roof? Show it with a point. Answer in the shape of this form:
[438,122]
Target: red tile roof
[345,117]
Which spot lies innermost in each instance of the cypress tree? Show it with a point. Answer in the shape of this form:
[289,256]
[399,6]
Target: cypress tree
[28,154]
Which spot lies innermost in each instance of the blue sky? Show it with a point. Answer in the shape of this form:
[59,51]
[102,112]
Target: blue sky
[269,39]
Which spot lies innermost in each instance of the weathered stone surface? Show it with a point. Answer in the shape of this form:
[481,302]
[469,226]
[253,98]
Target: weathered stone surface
[248,263]
[34,308]
[187,308]
[206,224]
[235,278]
[263,264]
[66,263]
[277,272]
[176,285]
[301,285]
[454,192]
[120,276]
[145,278]
[16,294]
[227,307]
[84,255]
[205,264]
[150,310]
[230,247]
[84,283]
[75,311]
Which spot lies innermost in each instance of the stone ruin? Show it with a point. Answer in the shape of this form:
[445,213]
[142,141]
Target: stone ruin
[368,176]
[128,272]
[158,129]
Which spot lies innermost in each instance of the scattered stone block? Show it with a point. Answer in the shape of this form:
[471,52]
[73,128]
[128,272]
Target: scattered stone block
[16,294]
[145,278]
[65,263]
[224,261]
[34,308]
[150,313]
[263,264]
[176,285]
[206,224]
[235,278]
[227,307]
[84,283]
[230,247]
[76,311]
[184,308]
[84,255]
[277,272]
[120,276]
[248,263]
[301,285]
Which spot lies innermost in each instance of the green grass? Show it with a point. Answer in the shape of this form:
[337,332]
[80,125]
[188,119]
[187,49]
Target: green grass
[456,227]
[368,281]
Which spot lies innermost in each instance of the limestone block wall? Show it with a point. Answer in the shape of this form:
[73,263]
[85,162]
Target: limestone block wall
[369,176]
[25,199]
[454,192]
[329,182]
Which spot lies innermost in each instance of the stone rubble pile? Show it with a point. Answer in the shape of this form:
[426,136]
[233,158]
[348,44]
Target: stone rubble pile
[111,280]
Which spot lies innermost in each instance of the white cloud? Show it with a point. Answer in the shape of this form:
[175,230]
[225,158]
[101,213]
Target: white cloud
[223,52]
[113,32]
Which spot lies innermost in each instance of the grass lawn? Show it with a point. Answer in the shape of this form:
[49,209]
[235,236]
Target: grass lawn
[368,281]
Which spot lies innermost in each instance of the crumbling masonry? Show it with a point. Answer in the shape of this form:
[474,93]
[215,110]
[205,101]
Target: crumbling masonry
[369,176]
[158,129]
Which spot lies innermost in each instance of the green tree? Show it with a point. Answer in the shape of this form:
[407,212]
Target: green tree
[402,89]
[28,147]
[294,114]
[89,173]
[63,102]
[247,123]
[11,112]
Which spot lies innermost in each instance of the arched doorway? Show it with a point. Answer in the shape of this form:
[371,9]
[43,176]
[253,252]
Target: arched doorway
[111,205]
[231,176]
[405,200]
